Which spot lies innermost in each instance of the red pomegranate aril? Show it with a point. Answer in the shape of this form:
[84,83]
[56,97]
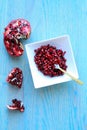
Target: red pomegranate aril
[46,57]
[16,105]
[15,77]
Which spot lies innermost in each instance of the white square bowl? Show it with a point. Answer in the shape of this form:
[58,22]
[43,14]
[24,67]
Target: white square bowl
[40,80]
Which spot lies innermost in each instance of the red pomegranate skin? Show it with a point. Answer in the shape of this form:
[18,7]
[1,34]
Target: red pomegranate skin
[14,31]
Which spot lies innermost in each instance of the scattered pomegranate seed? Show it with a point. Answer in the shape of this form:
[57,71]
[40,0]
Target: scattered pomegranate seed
[14,31]
[15,77]
[16,105]
[46,57]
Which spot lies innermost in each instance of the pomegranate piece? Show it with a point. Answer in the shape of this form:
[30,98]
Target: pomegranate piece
[16,105]
[16,30]
[15,77]
[46,57]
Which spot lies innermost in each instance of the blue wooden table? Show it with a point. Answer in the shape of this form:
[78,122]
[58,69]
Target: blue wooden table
[58,107]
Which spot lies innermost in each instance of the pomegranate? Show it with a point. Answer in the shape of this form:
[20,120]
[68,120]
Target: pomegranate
[15,77]
[16,105]
[16,30]
[46,57]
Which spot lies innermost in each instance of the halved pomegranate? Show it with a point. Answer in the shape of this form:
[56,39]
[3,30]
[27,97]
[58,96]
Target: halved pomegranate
[15,77]
[16,105]
[16,30]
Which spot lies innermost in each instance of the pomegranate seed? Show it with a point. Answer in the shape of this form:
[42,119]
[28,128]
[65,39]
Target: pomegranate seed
[46,57]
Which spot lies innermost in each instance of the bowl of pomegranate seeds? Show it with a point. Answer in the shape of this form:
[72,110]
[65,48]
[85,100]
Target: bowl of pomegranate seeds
[43,56]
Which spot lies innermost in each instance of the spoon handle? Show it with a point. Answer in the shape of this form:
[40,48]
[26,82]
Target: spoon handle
[75,79]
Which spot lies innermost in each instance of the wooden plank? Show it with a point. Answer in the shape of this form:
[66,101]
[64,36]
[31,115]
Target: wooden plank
[58,107]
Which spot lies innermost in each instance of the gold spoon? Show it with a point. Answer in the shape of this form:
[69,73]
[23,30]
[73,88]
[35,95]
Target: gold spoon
[67,73]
